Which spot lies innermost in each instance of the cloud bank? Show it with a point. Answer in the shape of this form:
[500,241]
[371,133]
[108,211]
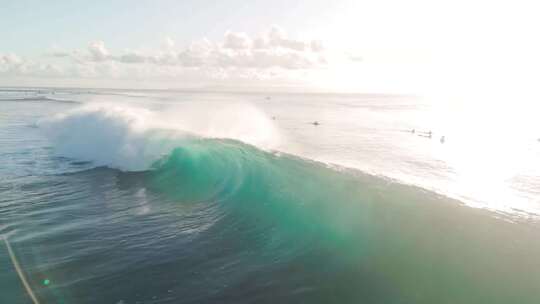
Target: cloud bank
[272,54]
[270,50]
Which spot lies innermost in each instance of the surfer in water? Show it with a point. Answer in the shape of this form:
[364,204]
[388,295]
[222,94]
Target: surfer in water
[315,123]
[425,134]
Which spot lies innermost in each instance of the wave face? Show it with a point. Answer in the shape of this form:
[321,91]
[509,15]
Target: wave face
[294,230]
[208,219]
[199,207]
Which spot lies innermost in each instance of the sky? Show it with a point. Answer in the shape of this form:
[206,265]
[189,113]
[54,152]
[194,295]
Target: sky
[416,47]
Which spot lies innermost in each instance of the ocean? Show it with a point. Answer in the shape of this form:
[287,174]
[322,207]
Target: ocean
[140,196]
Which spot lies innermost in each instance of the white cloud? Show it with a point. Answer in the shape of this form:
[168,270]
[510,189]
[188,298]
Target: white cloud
[10,59]
[236,41]
[317,46]
[165,58]
[59,54]
[277,38]
[9,63]
[168,43]
[238,56]
[131,57]
[272,49]
[98,51]
[13,65]
[263,59]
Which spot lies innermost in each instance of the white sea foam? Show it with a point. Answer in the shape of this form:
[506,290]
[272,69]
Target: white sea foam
[131,138]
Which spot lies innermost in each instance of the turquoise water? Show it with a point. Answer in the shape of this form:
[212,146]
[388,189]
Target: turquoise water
[110,206]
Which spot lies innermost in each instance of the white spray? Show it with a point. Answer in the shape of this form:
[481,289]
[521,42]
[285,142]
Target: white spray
[132,138]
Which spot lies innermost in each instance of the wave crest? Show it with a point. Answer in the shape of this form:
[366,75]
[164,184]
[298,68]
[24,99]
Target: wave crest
[132,139]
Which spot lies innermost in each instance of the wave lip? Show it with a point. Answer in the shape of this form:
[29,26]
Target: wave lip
[132,139]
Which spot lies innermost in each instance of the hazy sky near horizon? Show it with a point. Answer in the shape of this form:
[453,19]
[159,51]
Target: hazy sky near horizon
[373,46]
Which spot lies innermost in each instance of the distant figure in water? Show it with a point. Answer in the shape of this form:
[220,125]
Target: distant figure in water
[315,123]
[442,139]
[425,134]
[413,130]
